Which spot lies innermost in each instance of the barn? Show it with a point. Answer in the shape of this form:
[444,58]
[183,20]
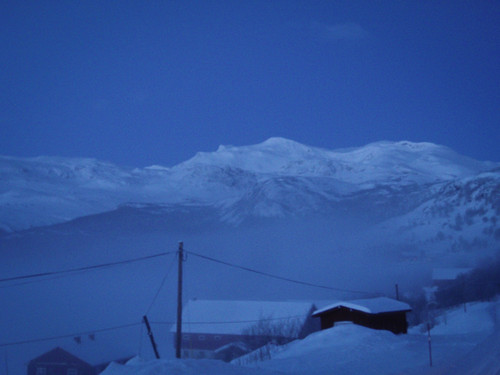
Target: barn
[376,313]
[223,329]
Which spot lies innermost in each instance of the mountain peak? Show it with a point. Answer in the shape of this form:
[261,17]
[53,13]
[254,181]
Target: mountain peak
[281,142]
[269,156]
[275,144]
[379,161]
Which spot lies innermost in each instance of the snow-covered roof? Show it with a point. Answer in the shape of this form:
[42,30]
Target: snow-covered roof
[233,317]
[371,306]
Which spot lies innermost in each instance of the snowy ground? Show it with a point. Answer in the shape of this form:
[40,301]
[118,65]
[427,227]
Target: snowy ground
[463,342]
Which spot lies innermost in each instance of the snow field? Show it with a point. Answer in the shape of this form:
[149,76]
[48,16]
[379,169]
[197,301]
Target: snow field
[350,350]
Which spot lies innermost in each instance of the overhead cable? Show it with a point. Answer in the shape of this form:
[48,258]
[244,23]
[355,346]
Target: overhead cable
[86,268]
[277,276]
[160,287]
[30,341]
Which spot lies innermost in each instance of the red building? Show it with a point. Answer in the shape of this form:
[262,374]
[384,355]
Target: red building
[376,313]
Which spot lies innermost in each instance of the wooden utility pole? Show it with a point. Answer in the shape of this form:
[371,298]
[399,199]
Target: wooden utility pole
[151,337]
[178,338]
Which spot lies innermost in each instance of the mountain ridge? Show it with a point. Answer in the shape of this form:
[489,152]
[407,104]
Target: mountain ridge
[275,178]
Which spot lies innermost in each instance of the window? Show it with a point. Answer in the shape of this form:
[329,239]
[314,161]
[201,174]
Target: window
[72,371]
[41,371]
[217,338]
[201,337]
[186,337]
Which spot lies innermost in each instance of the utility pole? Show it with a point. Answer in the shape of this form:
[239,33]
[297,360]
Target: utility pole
[397,292]
[151,337]
[178,338]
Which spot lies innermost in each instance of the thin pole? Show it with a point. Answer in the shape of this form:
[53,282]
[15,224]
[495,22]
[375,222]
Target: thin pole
[178,338]
[151,337]
[397,292]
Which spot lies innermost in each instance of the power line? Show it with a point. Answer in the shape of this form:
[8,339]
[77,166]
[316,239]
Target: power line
[86,268]
[37,281]
[160,287]
[30,341]
[277,276]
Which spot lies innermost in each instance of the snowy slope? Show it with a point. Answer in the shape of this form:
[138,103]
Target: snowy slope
[458,215]
[183,367]
[47,190]
[462,343]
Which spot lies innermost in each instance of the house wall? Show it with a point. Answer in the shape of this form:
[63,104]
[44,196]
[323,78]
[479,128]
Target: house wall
[202,345]
[392,321]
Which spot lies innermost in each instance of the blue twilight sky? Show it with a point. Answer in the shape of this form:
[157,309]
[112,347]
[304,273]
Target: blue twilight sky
[153,82]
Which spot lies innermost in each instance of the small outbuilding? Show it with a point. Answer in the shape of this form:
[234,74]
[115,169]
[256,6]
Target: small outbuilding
[376,313]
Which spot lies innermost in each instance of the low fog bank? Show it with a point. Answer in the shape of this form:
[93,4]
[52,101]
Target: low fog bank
[331,253]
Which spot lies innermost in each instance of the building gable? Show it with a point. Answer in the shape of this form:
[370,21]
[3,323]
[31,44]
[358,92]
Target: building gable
[59,362]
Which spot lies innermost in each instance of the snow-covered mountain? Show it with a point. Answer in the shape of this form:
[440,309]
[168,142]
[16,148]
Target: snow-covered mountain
[276,178]
[458,215]
[409,201]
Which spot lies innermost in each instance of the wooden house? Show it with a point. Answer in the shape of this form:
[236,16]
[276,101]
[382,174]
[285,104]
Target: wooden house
[376,313]
[61,362]
[227,329]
